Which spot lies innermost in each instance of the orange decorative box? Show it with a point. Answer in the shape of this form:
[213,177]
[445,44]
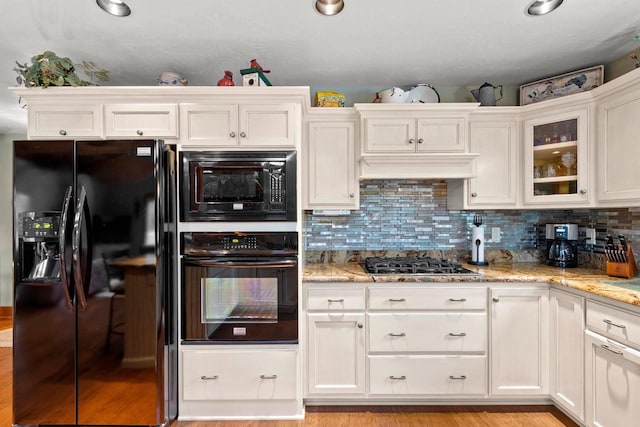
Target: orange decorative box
[328,98]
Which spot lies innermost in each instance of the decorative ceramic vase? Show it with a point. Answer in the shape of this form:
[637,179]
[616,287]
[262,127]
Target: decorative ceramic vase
[227,80]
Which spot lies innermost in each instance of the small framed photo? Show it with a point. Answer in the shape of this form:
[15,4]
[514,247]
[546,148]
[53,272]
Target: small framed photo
[564,84]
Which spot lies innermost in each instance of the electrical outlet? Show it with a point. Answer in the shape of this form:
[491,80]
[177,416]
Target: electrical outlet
[495,234]
[590,236]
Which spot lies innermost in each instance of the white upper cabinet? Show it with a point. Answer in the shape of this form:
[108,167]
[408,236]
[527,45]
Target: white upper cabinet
[617,145]
[494,136]
[60,121]
[141,120]
[330,175]
[240,125]
[558,155]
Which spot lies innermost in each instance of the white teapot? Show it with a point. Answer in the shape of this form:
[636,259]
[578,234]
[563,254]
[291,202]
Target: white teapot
[393,95]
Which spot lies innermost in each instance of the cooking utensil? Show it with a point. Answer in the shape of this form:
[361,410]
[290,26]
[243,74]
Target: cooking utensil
[477,220]
[478,250]
[623,242]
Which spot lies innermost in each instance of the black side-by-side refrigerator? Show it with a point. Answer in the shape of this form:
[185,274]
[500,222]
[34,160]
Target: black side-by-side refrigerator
[95,334]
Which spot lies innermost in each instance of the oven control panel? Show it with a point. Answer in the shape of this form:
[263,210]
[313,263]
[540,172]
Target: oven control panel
[240,242]
[199,244]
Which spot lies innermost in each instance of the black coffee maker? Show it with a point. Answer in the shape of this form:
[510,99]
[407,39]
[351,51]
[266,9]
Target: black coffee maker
[562,245]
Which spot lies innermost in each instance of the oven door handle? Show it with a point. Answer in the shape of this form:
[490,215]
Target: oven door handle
[285,263]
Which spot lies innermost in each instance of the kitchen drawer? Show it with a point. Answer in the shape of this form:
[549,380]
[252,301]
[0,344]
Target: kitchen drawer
[141,120]
[426,375]
[453,332]
[614,323]
[445,298]
[65,121]
[335,299]
[239,375]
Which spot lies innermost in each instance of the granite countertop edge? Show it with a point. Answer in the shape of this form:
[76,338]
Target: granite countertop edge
[587,280]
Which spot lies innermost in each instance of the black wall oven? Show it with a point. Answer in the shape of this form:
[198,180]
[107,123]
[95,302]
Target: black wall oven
[239,287]
[238,186]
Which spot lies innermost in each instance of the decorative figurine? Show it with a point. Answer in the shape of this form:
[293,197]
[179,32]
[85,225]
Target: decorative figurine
[254,64]
[227,80]
[169,78]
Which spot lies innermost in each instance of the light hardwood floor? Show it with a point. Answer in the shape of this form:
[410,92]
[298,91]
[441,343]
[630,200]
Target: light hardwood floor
[392,416]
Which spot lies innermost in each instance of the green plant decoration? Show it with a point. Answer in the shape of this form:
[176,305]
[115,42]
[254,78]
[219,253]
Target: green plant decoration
[49,69]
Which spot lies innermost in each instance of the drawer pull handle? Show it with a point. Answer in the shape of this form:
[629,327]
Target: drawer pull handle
[457,299]
[606,347]
[205,378]
[62,132]
[609,322]
[461,377]
[401,377]
[461,334]
[396,334]
[397,299]
[268,377]
[335,300]
[139,132]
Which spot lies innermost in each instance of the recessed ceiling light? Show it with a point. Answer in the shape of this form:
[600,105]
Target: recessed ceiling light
[114,7]
[542,7]
[329,7]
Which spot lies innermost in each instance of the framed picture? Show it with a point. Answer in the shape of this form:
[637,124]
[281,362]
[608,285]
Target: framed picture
[564,84]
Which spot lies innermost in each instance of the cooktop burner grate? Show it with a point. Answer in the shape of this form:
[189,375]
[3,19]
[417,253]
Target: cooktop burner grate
[413,265]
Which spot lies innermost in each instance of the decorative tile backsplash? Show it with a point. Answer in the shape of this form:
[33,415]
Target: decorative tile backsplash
[412,215]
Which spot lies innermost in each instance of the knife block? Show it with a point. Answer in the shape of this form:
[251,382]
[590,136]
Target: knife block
[626,270]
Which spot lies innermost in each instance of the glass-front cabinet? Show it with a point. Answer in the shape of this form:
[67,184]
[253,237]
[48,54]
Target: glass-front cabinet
[557,159]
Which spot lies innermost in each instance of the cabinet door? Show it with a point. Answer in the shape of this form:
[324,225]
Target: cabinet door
[566,384]
[335,353]
[618,150]
[65,121]
[268,125]
[612,383]
[141,120]
[331,177]
[519,350]
[441,135]
[556,167]
[209,124]
[496,181]
[390,135]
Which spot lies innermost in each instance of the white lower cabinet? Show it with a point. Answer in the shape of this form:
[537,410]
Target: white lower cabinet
[519,350]
[335,358]
[427,375]
[566,364]
[612,366]
[612,383]
[220,383]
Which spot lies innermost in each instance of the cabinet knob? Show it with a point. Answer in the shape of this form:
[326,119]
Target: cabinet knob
[243,135]
[360,325]
[583,191]
[62,132]
[420,141]
[411,141]
[232,134]
[139,132]
[496,299]
[474,194]
[351,195]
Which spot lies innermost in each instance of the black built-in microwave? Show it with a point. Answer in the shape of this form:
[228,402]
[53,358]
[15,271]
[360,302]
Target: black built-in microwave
[238,186]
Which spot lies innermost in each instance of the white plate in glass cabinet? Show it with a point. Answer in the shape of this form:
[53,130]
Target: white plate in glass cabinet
[556,154]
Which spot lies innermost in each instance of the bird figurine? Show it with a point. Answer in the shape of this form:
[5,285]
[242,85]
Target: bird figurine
[254,64]
[227,79]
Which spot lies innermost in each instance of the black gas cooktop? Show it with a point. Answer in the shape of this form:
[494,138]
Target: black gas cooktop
[413,265]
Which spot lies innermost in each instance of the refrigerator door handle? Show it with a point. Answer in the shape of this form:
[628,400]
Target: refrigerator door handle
[66,204]
[81,207]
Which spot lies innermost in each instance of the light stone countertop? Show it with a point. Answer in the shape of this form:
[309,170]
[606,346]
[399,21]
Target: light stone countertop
[583,279]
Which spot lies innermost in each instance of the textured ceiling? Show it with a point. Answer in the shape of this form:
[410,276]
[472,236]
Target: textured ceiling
[371,44]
